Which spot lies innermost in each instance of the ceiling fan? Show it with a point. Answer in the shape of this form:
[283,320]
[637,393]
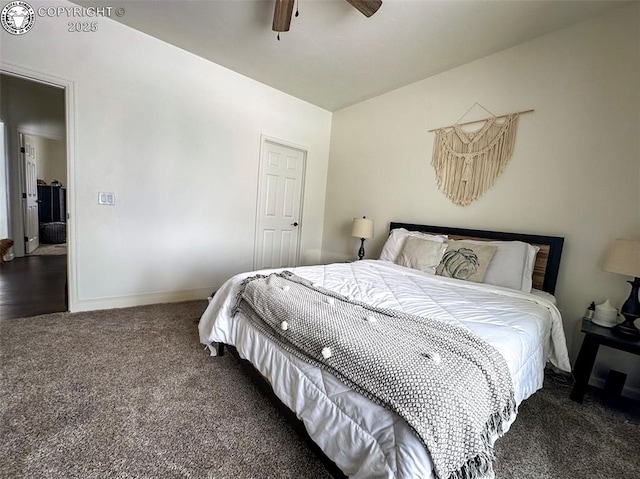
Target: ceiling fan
[284,10]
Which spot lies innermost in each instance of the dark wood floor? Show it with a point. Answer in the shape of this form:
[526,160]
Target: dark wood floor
[33,285]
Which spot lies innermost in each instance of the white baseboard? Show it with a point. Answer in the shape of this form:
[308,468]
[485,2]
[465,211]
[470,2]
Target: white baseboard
[139,299]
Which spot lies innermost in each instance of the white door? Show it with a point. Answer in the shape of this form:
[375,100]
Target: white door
[279,206]
[28,151]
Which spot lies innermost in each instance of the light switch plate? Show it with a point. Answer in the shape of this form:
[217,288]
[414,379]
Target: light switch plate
[106,198]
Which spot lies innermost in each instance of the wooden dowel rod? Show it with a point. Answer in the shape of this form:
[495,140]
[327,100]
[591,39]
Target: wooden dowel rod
[484,119]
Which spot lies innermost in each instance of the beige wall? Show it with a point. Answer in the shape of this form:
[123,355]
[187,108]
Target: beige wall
[177,139]
[574,172]
[51,159]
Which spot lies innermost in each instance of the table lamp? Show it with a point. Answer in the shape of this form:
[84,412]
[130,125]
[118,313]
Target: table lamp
[623,257]
[363,229]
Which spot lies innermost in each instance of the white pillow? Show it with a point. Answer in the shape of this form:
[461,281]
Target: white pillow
[393,246]
[530,263]
[512,264]
[421,253]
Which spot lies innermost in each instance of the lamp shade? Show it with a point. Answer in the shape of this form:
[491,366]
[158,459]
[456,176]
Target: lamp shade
[362,228]
[623,257]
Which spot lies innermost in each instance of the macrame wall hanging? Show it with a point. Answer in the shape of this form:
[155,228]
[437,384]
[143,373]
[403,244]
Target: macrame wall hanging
[467,163]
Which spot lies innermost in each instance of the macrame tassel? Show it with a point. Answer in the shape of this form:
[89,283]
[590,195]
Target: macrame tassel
[467,164]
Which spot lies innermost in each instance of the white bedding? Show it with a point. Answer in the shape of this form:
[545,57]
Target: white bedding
[363,438]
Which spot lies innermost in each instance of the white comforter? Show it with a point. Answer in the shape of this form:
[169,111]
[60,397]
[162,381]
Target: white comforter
[362,438]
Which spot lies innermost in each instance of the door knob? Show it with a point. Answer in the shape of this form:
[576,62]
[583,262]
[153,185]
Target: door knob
[295,223]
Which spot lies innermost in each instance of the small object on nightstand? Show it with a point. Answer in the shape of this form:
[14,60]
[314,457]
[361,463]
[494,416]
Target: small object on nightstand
[606,315]
[590,310]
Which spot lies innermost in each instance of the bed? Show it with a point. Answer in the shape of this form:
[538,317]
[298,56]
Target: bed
[518,318]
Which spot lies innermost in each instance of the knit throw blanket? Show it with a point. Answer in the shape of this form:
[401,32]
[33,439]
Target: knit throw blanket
[451,387]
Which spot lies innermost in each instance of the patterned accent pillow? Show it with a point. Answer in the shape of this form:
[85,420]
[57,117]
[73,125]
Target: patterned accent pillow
[421,253]
[466,261]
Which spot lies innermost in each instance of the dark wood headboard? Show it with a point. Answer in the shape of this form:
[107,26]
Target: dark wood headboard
[545,273]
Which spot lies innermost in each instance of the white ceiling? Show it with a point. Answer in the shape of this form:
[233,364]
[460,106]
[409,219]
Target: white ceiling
[334,56]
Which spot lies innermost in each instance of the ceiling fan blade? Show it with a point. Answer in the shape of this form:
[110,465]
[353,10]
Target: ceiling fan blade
[282,15]
[366,7]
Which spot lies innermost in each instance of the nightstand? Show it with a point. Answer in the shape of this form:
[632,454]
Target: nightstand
[595,336]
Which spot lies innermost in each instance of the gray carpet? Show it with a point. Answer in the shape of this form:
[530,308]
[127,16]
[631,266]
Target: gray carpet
[130,393]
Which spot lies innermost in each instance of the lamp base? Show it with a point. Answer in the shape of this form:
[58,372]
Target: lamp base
[361,250]
[632,305]
[627,329]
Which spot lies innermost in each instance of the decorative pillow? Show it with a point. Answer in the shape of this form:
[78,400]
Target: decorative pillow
[512,265]
[393,246]
[465,260]
[421,253]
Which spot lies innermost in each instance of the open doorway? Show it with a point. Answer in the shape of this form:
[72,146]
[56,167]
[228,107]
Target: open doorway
[33,277]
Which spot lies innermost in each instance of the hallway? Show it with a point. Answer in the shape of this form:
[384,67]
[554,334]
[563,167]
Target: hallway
[33,285]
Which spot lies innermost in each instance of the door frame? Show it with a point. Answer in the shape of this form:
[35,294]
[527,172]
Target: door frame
[70,133]
[261,159]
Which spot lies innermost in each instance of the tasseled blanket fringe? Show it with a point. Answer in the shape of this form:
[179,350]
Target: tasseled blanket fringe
[481,465]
